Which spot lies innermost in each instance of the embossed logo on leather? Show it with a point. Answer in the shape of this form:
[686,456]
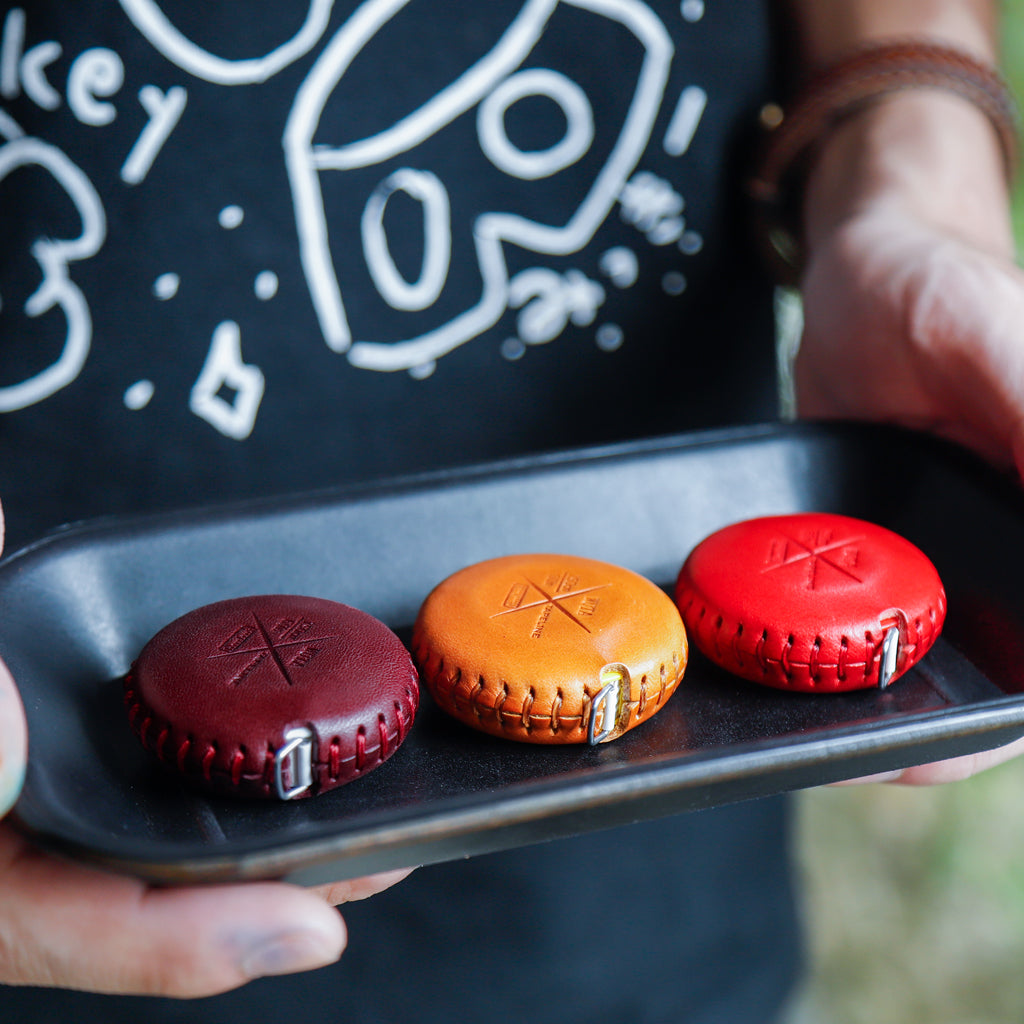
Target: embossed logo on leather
[558,593]
[818,556]
[286,645]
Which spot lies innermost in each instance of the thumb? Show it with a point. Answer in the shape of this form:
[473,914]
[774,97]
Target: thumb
[13,730]
[13,741]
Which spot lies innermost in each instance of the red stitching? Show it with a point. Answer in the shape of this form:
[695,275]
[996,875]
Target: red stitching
[404,721]
[812,662]
[736,644]
[332,763]
[759,652]
[360,748]
[363,757]
[814,665]
[787,669]
[211,753]
[133,713]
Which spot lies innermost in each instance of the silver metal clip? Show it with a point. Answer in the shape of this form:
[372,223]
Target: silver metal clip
[890,656]
[608,703]
[295,755]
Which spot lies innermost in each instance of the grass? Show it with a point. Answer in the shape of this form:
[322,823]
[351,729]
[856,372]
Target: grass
[915,902]
[914,898]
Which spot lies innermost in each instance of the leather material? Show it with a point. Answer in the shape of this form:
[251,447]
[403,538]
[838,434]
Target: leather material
[214,692]
[803,602]
[515,646]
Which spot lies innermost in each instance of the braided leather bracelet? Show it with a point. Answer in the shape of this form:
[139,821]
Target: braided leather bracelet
[840,91]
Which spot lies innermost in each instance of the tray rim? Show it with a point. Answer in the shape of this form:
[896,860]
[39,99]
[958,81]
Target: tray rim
[204,513]
[999,715]
[304,861]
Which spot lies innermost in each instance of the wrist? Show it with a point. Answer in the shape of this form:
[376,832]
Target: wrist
[925,153]
[906,120]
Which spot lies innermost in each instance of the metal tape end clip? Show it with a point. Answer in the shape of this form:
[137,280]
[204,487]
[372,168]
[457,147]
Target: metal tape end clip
[609,703]
[295,755]
[890,656]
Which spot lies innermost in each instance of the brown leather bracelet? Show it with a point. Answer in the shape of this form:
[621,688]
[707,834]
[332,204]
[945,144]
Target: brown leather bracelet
[835,94]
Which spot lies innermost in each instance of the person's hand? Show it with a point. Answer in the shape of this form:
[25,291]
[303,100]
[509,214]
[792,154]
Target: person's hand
[69,926]
[906,323]
[65,925]
[913,306]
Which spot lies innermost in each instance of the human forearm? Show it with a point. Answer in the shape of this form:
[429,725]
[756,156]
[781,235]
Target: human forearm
[908,253]
[932,151]
[927,152]
[824,30]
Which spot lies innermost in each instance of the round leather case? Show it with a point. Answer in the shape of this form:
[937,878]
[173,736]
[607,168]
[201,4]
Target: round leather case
[273,696]
[813,602]
[549,648]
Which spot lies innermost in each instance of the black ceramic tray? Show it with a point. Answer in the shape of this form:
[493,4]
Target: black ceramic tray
[77,607]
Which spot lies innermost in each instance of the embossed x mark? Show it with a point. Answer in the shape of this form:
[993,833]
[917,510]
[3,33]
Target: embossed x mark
[554,601]
[269,646]
[818,552]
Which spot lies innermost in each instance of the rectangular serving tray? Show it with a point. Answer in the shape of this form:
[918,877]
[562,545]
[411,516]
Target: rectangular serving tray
[77,607]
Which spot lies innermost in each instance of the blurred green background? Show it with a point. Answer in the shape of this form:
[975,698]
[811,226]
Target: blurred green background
[1013,67]
[914,898]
